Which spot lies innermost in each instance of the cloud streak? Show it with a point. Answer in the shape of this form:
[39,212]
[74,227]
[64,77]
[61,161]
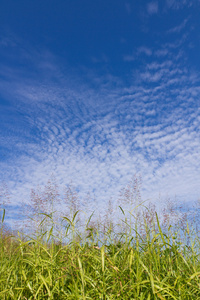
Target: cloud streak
[178,4]
[179,28]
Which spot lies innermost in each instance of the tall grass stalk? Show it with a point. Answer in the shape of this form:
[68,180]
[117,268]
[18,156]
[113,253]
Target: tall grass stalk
[139,256]
[154,265]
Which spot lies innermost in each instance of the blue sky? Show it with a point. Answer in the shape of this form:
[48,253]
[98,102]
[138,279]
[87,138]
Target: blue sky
[95,92]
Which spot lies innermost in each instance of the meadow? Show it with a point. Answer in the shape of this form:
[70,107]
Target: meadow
[140,255]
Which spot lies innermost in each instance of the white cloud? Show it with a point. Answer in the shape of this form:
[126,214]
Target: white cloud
[144,50]
[152,8]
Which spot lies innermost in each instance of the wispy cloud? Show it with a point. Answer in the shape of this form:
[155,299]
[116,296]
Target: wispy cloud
[152,8]
[129,58]
[161,52]
[178,4]
[128,8]
[144,50]
[178,28]
[139,51]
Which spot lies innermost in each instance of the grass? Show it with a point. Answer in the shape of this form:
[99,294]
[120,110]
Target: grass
[140,259]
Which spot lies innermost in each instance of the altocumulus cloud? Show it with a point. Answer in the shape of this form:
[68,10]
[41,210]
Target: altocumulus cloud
[98,138]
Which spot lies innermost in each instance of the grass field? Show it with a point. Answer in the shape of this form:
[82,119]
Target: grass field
[139,257]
